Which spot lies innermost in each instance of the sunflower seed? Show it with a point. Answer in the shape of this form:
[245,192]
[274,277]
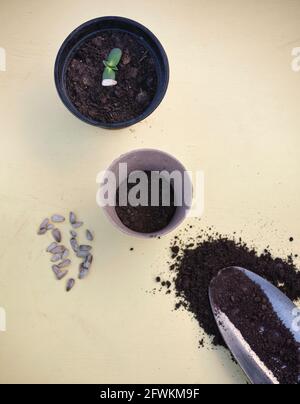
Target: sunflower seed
[57,218]
[73,233]
[83,272]
[89,235]
[43,227]
[72,218]
[62,274]
[56,235]
[55,269]
[85,248]
[51,247]
[74,244]
[70,284]
[65,254]
[56,257]
[64,264]
[88,261]
[58,249]
[77,225]
[58,272]
[45,222]
[82,254]
[50,226]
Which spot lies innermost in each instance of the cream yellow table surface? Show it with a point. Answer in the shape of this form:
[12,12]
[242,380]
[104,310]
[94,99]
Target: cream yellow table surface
[232,110]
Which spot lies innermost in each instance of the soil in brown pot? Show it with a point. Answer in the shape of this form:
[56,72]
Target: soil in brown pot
[136,77]
[147,219]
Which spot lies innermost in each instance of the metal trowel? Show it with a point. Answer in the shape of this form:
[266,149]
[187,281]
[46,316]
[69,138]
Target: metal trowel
[254,368]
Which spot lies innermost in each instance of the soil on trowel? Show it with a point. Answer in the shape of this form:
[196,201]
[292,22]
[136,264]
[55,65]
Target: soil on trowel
[250,311]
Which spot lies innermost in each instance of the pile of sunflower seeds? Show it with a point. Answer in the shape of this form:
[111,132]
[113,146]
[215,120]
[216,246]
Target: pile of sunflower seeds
[60,253]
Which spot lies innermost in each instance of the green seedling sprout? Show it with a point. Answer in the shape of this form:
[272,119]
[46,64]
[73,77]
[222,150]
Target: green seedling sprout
[111,67]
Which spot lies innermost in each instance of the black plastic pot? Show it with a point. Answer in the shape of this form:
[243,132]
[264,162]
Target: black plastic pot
[92,28]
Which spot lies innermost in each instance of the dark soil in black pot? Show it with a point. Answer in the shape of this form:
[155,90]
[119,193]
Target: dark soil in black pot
[147,219]
[249,309]
[136,77]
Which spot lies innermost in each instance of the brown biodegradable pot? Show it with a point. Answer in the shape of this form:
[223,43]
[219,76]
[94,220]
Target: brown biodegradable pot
[148,160]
